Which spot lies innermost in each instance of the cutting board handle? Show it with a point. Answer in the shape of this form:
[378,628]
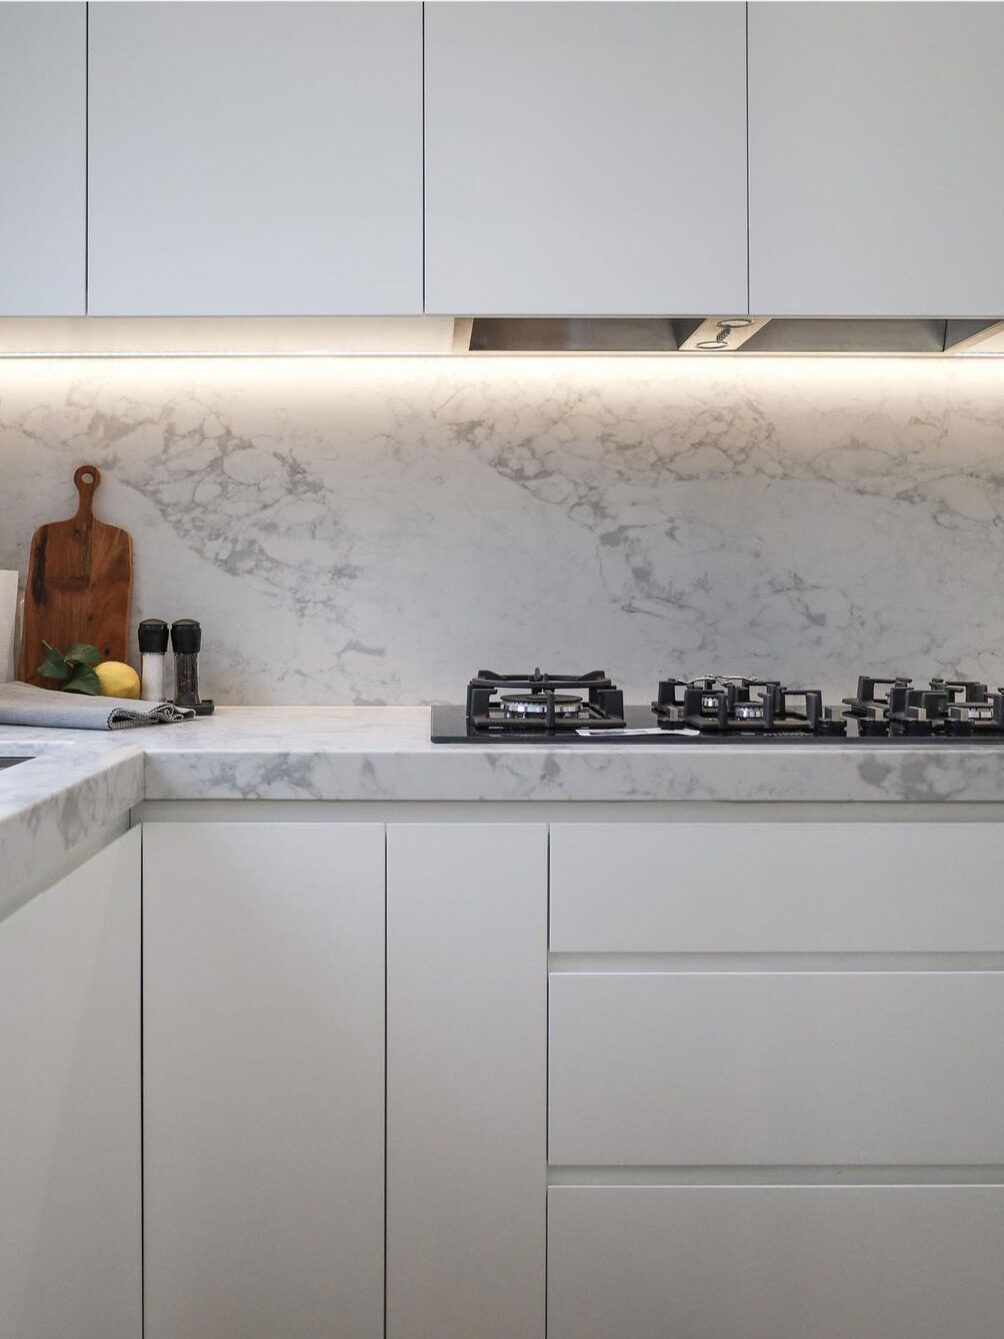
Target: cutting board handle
[87,478]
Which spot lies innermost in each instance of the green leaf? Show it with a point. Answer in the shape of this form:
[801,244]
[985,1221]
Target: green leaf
[84,680]
[54,666]
[80,653]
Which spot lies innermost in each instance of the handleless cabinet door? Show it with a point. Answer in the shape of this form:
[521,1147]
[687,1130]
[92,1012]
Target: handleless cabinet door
[43,156]
[585,158]
[70,1192]
[466,1080]
[875,149]
[261,158]
[263,1020]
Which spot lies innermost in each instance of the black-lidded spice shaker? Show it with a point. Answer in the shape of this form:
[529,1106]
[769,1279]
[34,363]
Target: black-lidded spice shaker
[186,642]
[153,651]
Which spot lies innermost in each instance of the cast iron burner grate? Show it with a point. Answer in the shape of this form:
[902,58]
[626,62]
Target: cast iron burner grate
[947,708]
[731,704]
[537,703]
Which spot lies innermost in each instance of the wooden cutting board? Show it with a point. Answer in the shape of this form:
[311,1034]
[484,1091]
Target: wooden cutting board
[79,585]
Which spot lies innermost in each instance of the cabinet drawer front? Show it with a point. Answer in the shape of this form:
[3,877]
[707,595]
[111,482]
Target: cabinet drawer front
[777,887]
[791,1262]
[667,1069]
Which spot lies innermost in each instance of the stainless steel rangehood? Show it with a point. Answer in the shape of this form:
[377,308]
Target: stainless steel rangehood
[729,334]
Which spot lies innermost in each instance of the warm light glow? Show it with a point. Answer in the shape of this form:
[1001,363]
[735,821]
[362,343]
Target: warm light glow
[283,338]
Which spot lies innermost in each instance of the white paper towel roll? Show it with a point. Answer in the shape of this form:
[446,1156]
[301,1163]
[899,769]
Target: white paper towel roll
[8,619]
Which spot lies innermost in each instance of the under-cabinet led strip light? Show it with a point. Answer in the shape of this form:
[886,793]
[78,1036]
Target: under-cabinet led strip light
[441,336]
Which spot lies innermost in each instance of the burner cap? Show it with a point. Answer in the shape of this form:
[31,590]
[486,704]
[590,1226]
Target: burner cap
[535,704]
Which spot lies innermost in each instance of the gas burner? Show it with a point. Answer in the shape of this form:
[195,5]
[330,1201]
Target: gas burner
[518,706]
[732,704]
[542,703]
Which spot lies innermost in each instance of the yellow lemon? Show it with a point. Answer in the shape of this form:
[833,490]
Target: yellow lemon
[116,679]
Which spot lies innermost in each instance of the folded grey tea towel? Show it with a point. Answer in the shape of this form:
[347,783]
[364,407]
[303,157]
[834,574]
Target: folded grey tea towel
[24,704]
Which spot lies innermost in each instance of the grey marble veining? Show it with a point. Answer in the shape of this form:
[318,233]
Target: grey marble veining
[74,788]
[67,794]
[374,531]
[374,753]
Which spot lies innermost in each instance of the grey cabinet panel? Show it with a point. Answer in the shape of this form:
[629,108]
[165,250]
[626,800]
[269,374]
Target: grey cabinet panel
[774,1068]
[785,1262]
[777,887]
[43,154]
[70,1193]
[466,1080]
[255,158]
[876,143]
[263,1020]
[585,158]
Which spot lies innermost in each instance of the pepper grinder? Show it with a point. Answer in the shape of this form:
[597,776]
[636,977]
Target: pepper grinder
[186,641]
[153,654]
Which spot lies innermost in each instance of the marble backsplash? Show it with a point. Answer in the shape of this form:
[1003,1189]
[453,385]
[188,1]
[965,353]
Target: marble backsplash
[375,530]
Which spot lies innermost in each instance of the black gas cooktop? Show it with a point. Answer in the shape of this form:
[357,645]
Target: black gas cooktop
[589,708]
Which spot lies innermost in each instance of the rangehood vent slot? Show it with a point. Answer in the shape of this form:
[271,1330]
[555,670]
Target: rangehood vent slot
[724,334]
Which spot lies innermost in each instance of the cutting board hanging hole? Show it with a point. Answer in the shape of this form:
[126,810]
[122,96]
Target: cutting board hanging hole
[87,478]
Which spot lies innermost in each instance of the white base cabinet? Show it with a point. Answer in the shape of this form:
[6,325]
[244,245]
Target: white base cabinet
[466,1080]
[263,983]
[776,1262]
[349,1126]
[70,1264]
[760,1093]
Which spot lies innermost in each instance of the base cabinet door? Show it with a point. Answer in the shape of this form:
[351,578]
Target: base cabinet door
[466,1080]
[263,989]
[778,1262]
[70,1254]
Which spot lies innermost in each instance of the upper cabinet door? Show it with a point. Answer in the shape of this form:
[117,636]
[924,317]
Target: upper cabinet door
[43,156]
[585,158]
[255,158]
[876,141]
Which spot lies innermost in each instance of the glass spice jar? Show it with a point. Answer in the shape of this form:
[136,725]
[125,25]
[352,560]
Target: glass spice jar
[186,641]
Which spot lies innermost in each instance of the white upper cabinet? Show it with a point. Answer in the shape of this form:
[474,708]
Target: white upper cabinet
[43,156]
[585,158]
[876,143]
[255,158]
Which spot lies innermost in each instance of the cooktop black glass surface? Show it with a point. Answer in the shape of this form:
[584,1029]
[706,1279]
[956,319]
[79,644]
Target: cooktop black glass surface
[551,709]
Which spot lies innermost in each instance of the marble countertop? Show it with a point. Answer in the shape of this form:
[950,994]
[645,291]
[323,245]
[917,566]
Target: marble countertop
[76,782]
